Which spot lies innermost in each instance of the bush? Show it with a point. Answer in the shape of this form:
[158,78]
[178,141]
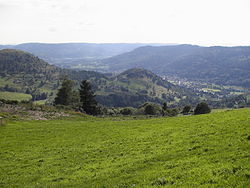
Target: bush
[127,111]
[186,109]
[150,109]
[111,112]
[12,102]
[202,108]
[170,112]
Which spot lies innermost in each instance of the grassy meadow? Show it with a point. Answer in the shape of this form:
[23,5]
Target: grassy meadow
[191,151]
[15,96]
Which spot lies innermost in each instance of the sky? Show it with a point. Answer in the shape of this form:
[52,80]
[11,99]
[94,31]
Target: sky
[200,22]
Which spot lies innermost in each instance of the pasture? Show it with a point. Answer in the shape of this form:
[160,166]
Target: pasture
[210,150]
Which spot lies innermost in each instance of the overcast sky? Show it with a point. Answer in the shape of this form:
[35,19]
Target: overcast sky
[202,22]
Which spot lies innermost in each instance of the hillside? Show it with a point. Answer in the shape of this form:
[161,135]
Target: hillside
[18,62]
[136,86]
[24,73]
[219,65]
[193,151]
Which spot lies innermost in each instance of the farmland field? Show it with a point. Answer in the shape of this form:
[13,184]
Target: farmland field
[192,151]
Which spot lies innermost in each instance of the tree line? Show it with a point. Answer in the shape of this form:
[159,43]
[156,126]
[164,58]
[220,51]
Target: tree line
[84,100]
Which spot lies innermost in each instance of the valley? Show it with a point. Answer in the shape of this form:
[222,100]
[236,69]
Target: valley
[24,73]
[165,61]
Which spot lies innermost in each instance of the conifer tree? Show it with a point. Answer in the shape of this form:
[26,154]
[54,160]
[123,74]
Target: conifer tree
[64,94]
[87,98]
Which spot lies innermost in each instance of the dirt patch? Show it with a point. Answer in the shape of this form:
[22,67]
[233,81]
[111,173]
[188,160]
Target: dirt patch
[25,113]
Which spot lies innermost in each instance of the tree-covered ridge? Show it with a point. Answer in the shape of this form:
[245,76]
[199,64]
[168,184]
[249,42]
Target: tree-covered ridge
[17,61]
[22,72]
[220,65]
[136,86]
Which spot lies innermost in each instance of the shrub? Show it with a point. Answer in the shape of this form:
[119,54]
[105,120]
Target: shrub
[186,109]
[202,108]
[170,112]
[127,111]
[13,102]
[112,111]
[150,109]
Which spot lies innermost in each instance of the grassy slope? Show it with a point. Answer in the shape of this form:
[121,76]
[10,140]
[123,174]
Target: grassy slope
[209,150]
[14,96]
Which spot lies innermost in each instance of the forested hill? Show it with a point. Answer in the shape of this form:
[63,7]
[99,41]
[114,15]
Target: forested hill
[136,86]
[24,73]
[18,62]
[221,65]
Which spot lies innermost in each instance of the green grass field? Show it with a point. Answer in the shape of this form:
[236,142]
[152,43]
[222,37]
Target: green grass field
[193,151]
[14,96]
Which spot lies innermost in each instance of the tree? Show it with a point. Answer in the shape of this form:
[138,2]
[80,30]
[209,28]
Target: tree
[202,108]
[164,106]
[75,100]
[186,109]
[151,108]
[64,95]
[87,98]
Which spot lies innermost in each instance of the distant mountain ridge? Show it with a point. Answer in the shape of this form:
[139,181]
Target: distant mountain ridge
[220,65]
[67,53]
